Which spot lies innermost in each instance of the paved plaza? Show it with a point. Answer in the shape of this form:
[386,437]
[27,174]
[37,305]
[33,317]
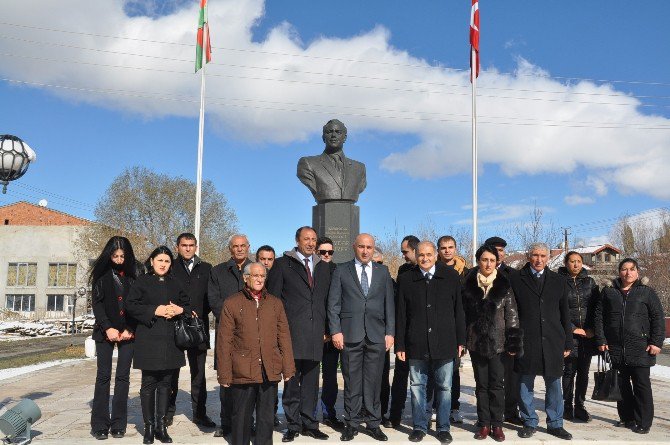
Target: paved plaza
[64,394]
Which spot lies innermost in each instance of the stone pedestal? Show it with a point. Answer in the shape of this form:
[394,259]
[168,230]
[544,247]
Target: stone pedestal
[339,221]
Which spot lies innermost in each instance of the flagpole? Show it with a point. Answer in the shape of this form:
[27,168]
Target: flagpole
[473,77]
[201,129]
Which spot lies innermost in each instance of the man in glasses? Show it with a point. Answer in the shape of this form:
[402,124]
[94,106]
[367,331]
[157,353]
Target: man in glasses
[331,355]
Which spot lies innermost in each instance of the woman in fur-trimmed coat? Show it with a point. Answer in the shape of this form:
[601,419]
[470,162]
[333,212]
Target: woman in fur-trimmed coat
[492,330]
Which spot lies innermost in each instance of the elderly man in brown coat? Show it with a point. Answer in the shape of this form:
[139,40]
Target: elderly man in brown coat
[254,353]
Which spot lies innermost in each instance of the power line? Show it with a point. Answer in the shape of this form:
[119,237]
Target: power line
[349,76]
[55,195]
[337,59]
[228,104]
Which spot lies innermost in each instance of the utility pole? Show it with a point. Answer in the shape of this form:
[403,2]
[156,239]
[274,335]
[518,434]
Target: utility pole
[565,239]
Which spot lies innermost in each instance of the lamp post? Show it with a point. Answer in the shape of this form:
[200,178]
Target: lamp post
[79,293]
[15,157]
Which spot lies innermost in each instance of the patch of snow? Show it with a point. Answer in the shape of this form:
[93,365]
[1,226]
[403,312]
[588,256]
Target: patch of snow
[14,372]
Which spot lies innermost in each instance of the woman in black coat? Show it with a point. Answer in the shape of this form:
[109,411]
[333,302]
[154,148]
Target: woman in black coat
[492,325]
[583,295]
[629,323]
[112,275]
[154,300]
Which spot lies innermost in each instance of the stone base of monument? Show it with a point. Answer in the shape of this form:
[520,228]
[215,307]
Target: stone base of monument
[339,221]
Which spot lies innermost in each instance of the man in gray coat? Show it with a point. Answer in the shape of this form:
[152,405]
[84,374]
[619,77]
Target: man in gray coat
[361,316]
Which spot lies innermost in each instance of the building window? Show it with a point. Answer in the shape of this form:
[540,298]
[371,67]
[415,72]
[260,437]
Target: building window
[57,303]
[20,303]
[608,258]
[62,275]
[21,274]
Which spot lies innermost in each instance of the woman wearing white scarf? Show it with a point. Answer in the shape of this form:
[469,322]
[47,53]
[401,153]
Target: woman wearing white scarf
[492,330]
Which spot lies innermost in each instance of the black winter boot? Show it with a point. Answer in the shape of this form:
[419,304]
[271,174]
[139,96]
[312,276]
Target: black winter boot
[162,402]
[148,402]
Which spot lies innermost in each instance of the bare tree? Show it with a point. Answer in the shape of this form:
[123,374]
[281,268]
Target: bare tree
[152,209]
[537,229]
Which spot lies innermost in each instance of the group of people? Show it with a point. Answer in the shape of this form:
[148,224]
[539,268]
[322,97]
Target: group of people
[294,318]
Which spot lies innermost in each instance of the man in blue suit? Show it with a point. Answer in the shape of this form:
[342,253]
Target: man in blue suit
[361,317]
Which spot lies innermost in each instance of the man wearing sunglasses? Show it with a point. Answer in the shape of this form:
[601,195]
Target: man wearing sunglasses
[331,355]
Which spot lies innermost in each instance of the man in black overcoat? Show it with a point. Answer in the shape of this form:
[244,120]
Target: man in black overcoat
[193,275]
[302,280]
[544,316]
[225,280]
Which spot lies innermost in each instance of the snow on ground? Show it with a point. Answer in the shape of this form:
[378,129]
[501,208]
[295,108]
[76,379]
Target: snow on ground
[14,372]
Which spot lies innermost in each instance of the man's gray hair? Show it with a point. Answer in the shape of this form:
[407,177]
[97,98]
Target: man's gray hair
[538,246]
[247,268]
[237,235]
[427,243]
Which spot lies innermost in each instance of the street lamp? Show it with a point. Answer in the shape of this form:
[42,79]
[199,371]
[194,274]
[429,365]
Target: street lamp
[15,157]
[78,294]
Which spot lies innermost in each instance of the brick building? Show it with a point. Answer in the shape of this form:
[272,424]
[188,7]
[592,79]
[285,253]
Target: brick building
[39,269]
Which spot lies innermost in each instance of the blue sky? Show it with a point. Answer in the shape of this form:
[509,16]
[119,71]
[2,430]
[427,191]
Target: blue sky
[586,151]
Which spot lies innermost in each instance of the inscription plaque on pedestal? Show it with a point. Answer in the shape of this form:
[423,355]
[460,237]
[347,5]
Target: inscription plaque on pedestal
[339,221]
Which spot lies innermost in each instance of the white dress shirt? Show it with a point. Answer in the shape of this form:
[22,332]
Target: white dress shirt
[302,260]
[431,272]
[359,270]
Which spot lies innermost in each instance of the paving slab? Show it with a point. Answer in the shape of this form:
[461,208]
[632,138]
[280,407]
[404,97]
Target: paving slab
[64,393]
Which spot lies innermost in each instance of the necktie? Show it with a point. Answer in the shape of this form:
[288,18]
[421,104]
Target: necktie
[364,280]
[309,273]
[189,265]
[338,162]
[428,276]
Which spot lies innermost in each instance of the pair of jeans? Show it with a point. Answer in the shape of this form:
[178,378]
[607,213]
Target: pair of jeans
[553,402]
[442,371]
[100,416]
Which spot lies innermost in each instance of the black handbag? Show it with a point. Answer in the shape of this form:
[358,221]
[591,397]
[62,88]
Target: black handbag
[606,380]
[189,332]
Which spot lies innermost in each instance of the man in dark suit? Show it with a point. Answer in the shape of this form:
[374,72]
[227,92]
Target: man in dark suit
[408,247]
[193,275]
[331,176]
[302,280]
[511,377]
[361,315]
[430,335]
[225,280]
[544,316]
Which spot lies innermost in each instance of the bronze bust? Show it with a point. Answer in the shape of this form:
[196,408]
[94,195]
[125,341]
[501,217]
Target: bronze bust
[331,176]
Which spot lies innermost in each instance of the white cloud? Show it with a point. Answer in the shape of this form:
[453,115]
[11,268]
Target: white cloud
[575,200]
[598,185]
[529,123]
[496,213]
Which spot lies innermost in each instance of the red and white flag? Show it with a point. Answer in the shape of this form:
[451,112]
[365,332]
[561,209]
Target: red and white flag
[474,39]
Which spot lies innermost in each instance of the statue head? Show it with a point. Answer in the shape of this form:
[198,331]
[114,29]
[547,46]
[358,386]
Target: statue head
[334,135]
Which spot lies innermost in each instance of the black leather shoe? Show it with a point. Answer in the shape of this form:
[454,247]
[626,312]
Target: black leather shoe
[416,436]
[641,429]
[568,412]
[444,437]
[204,421]
[514,420]
[334,423]
[377,434]
[277,422]
[526,432]
[289,436]
[117,434]
[348,434]
[100,434]
[314,433]
[148,433]
[582,414]
[560,433]
[386,423]
[626,423]
[222,432]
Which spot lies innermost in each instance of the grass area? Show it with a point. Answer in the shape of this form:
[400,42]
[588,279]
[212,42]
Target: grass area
[33,359]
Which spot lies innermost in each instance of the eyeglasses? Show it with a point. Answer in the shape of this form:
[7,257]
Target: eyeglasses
[329,252]
[257,276]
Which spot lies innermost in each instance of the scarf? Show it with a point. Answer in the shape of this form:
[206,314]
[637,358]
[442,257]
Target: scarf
[485,283]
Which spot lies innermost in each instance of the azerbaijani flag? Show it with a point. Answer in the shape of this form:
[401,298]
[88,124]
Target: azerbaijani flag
[474,39]
[202,27]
